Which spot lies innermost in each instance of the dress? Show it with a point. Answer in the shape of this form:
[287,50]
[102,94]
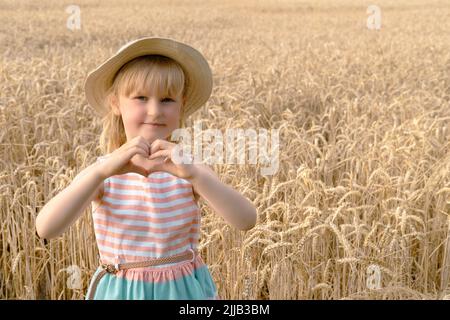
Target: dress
[149,217]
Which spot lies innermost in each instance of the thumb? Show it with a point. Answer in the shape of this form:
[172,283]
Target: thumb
[139,166]
[156,164]
[140,170]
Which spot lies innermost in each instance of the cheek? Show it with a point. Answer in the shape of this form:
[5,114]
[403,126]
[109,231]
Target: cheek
[173,116]
[133,115]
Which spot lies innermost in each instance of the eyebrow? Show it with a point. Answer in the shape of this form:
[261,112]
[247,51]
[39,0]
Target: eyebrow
[140,93]
[145,95]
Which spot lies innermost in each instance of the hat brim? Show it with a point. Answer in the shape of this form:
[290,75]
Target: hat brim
[194,65]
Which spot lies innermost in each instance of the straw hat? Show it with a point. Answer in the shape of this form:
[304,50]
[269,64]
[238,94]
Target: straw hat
[195,67]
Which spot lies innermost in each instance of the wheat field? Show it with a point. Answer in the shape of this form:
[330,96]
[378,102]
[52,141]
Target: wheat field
[364,175]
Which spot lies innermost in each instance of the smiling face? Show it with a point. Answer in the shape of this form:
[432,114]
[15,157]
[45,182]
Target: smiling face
[148,96]
[149,115]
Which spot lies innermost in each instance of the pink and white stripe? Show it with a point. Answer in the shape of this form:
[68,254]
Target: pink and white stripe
[146,217]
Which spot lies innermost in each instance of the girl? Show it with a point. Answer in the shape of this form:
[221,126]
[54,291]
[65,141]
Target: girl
[146,217]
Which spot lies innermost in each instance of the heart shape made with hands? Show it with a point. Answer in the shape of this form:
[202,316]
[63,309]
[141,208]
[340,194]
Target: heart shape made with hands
[163,156]
[145,166]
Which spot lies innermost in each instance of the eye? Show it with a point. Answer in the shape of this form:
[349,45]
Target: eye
[140,97]
[145,98]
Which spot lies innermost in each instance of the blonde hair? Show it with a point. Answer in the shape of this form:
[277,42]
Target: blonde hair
[142,74]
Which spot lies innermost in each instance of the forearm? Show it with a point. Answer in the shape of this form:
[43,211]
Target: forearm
[64,209]
[227,202]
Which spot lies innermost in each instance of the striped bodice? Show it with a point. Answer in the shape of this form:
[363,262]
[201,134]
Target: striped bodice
[145,217]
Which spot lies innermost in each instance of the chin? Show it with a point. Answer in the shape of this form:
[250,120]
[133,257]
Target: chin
[152,136]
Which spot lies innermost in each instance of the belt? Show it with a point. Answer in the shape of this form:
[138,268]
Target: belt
[190,254]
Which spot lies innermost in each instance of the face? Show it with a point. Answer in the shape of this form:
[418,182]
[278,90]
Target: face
[148,116]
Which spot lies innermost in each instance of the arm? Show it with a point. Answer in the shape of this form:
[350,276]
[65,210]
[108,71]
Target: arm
[66,207]
[227,202]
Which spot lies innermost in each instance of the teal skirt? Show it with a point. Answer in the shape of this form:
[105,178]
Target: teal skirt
[178,281]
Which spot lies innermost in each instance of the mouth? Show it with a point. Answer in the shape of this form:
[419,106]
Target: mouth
[154,124]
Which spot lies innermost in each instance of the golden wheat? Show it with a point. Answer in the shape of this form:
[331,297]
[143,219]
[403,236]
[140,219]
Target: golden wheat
[364,163]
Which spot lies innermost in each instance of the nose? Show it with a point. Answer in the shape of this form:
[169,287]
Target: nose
[154,107]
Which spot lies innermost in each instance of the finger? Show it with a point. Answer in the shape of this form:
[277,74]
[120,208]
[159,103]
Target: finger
[157,164]
[180,155]
[139,148]
[160,153]
[145,144]
[160,144]
[145,147]
[139,165]
[139,160]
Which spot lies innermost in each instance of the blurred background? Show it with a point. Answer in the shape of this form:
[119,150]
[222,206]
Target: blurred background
[360,91]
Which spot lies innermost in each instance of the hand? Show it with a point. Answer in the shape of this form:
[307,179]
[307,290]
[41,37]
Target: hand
[165,150]
[132,156]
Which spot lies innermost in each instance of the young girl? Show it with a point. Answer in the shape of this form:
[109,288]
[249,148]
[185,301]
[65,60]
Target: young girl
[146,217]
